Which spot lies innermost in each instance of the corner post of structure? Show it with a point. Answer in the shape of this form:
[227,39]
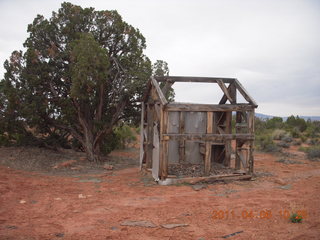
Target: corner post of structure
[164,146]
[142,135]
[251,143]
[208,145]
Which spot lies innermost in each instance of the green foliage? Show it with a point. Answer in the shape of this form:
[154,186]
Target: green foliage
[89,67]
[125,134]
[275,122]
[288,132]
[266,144]
[278,134]
[296,122]
[83,71]
[296,218]
[160,69]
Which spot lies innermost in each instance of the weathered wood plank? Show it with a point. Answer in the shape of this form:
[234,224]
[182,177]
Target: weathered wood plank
[243,161]
[194,79]
[251,121]
[206,137]
[225,90]
[176,107]
[149,135]
[233,93]
[182,154]
[194,180]
[209,122]
[251,158]
[227,158]
[141,134]
[245,94]
[159,92]
[164,146]
[207,159]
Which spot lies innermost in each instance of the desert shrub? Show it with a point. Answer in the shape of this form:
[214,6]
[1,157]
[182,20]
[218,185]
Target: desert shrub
[287,138]
[278,134]
[312,141]
[125,134]
[296,143]
[283,144]
[313,152]
[303,138]
[266,144]
[295,132]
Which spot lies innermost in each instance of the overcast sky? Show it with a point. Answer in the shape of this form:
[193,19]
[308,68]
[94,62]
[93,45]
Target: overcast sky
[272,47]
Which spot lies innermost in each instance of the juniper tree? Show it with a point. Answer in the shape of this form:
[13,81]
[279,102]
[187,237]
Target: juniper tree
[83,71]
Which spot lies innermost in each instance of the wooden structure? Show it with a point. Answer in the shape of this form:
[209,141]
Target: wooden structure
[201,136]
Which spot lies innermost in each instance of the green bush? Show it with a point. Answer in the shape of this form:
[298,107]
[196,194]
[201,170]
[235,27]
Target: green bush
[296,218]
[278,134]
[313,152]
[266,144]
[125,134]
[283,145]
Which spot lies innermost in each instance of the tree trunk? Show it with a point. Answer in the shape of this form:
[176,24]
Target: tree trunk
[89,148]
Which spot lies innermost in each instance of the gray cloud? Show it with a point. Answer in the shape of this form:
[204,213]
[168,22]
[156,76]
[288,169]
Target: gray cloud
[272,46]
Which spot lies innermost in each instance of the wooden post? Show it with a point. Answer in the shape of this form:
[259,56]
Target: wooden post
[251,159]
[207,159]
[164,146]
[142,135]
[149,135]
[208,145]
[181,142]
[228,130]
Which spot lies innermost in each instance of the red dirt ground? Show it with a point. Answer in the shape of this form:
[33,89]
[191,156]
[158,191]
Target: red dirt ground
[35,205]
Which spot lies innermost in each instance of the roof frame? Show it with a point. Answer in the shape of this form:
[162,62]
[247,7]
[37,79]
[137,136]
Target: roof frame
[234,84]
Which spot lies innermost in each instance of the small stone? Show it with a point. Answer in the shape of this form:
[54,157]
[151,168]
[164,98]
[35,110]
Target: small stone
[57,199]
[174,225]
[280,181]
[198,187]
[138,224]
[12,227]
[65,164]
[23,201]
[59,234]
[81,196]
[108,167]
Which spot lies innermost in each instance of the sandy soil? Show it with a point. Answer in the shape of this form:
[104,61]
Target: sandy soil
[101,204]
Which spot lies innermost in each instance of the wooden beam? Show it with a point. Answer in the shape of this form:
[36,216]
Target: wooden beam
[245,94]
[225,90]
[243,161]
[206,137]
[159,92]
[209,122]
[164,150]
[194,79]
[141,134]
[190,107]
[250,121]
[233,93]
[207,159]
[194,180]
[150,114]
[182,154]
[251,159]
